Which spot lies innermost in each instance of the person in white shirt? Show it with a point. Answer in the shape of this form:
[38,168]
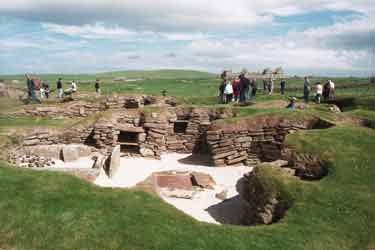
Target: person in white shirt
[319,92]
[73,87]
[331,90]
[228,92]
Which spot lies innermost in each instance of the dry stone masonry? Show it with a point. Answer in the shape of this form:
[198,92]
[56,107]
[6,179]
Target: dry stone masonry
[252,141]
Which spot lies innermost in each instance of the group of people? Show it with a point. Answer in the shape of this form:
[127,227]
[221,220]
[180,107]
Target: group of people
[327,91]
[60,90]
[35,85]
[240,90]
[243,89]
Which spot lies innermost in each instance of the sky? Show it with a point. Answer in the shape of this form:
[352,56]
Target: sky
[319,37]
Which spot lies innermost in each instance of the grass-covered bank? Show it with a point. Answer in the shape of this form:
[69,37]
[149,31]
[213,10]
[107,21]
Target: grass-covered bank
[43,210]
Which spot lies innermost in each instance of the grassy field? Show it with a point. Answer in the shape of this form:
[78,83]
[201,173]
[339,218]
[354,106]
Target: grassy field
[190,87]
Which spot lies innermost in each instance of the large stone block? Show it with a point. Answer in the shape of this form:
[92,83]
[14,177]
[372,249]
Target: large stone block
[146,152]
[203,180]
[114,163]
[70,153]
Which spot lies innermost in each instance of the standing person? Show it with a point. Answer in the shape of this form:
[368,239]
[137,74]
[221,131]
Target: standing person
[306,90]
[33,89]
[254,88]
[331,90]
[236,89]
[326,91]
[282,86]
[228,91]
[244,88]
[59,87]
[247,88]
[29,85]
[265,85]
[221,92]
[97,87]
[270,86]
[45,90]
[319,92]
[73,87]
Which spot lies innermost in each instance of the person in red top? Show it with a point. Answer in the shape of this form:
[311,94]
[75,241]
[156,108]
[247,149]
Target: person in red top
[236,89]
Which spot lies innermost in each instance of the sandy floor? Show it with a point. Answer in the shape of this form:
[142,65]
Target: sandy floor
[204,206]
[81,163]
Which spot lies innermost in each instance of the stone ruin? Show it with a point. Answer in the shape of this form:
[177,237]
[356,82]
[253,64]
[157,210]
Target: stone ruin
[180,130]
[86,108]
[148,133]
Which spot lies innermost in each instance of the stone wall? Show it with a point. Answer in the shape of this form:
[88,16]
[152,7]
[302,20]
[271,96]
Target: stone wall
[155,131]
[74,109]
[252,141]
[85,108]
[79,135]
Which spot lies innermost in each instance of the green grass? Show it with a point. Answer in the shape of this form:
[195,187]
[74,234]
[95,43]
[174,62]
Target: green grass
[27,122]
[42,210]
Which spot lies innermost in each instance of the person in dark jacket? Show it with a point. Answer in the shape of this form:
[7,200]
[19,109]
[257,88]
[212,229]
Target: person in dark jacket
[254,88]
[282,86]
[97,87]
[29,85]
[221,92]
[326,90]
[244,88]
[59,87]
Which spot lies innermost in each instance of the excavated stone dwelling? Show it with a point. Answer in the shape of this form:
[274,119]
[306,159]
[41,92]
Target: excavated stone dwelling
[182,130]
[138,132]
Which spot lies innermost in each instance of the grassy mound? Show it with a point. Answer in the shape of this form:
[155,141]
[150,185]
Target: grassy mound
[41,210]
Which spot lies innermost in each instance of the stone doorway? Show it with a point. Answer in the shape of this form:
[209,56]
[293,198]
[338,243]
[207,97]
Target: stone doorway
[180,126]
[129,142]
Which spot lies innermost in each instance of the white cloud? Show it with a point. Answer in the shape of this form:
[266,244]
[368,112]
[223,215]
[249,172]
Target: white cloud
[89,31]
[205,24]
[172,15]
[342,47]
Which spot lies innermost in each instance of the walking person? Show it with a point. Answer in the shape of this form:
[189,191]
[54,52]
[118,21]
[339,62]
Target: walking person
[319,92]
[306,90]
[282,86]
[59,87]
[228,91]
[97,87]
